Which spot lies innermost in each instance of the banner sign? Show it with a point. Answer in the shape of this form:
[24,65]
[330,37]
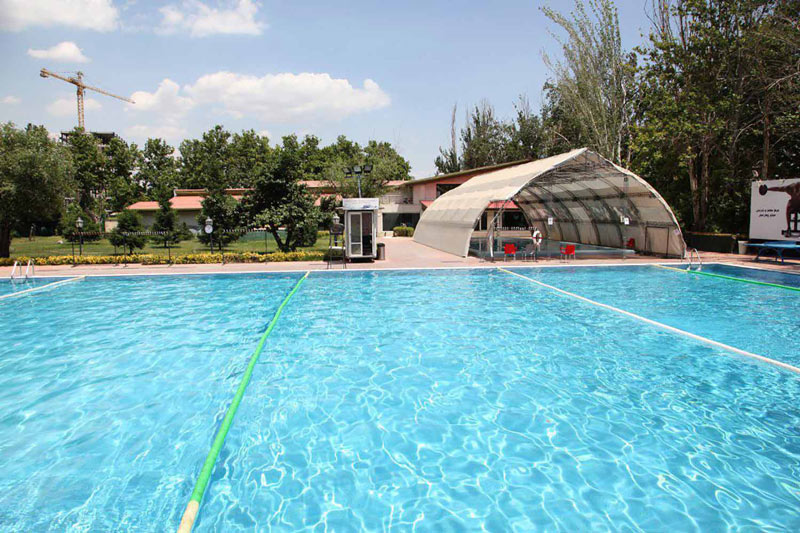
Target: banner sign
[360,204]
[775,210]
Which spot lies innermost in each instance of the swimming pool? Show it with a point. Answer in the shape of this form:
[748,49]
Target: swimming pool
[461,399]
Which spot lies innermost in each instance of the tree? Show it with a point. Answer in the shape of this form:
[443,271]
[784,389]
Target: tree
[128,233]
[89,170]
[35,173]
[280,203]
[448,160]
[225,213]
[122,188]
[68,225]
[595,80]
[332,162]
[158,173]
[204,162]
[484,138]
[167,229]
[718,101]
[247,152]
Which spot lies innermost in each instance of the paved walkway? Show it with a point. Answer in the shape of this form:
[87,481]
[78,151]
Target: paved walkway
[400,253]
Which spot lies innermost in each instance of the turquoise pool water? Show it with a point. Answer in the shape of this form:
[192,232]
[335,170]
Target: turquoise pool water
[448,400]
[8,287]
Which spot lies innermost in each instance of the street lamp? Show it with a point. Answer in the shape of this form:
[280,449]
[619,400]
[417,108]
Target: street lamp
[358,170]
[209,229]
[79,225]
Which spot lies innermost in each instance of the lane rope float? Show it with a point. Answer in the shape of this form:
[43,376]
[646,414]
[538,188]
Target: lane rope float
[192,508]
[43,287]
[731,278]
[671,329]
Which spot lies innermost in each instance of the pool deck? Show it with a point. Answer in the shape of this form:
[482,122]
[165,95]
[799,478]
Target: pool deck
[401,253]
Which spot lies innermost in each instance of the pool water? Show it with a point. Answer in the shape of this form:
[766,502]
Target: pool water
[427,400]
[9,287]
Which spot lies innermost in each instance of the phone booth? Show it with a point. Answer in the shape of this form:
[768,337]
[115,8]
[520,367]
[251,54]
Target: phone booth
[360,227]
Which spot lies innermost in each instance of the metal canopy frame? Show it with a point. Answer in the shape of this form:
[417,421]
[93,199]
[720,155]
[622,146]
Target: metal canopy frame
[589,199]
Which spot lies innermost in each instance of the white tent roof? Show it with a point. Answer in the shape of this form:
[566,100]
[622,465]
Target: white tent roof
[586,195]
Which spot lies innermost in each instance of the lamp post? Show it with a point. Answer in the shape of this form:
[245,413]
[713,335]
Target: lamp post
[358,171]
[79,225]
[209,229]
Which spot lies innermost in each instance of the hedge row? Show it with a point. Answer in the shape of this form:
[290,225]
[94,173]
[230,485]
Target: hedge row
[403,231]
[188,259]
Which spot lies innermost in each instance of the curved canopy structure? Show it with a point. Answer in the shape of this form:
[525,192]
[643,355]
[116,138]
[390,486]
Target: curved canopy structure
[587,197]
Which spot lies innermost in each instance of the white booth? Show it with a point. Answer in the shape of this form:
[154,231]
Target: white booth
[360,227]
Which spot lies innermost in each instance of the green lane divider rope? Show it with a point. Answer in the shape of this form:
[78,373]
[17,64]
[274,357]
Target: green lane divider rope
[190,514]
[732,278]
[42,287]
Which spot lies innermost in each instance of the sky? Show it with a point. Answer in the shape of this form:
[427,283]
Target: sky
[389,71]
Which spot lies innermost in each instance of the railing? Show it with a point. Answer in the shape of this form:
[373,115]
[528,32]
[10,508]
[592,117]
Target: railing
[693,251]
[13,269]
[30,269]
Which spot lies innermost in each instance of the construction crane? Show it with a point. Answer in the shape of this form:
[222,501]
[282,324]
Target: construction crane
[78,82]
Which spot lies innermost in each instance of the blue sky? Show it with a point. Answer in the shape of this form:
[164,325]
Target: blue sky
[369,70]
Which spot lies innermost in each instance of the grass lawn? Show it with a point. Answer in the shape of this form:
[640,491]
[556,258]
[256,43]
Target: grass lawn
[47,246]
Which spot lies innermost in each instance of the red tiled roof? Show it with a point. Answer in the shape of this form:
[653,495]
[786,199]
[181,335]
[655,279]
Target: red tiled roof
[178,203]
[499,205]
[492,205]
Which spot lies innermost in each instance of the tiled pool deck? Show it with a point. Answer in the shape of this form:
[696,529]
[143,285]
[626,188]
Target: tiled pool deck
[400,253]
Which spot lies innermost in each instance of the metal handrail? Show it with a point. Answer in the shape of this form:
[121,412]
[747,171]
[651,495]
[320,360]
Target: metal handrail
[13,268]
[693,251]
[31,267]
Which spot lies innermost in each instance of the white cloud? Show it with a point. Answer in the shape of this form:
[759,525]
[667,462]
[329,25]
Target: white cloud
[10,100]
[17,15]
[200,20]
[66,52]
[64,107]
[165,100]
[265,133]
[285,97]
[166,132]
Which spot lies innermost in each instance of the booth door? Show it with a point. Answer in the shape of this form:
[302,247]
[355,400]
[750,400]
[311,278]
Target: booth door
[366,234]
[354,234]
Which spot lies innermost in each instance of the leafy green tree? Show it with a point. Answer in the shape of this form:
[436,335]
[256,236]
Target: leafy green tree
[168,230]
[204,162]
[484,138]
[158,173]
[386,165]
[128,233]
[35,173]
[121,181]
[89,170]
[280,203]
[225,213]
[247,152]
[68,225]
[595,80]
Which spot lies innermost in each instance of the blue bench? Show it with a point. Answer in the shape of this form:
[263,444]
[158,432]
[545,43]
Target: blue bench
[776,246]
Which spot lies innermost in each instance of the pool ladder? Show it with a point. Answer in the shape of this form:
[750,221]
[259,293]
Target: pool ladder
[694,252]
[30,269]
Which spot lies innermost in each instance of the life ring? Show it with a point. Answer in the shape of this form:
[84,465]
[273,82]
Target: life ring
[537,237]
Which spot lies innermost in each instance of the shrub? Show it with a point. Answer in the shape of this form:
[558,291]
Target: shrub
[403,231]
[188,259]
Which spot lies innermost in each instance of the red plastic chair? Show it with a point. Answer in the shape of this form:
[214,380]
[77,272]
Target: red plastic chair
[509,249]
[567,251]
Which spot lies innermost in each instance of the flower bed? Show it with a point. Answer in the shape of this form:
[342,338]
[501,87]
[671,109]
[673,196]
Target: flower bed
[188,259]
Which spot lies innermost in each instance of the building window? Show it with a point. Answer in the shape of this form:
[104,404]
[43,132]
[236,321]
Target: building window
[514,220]
[482,222]
[391,220]
[442,188]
